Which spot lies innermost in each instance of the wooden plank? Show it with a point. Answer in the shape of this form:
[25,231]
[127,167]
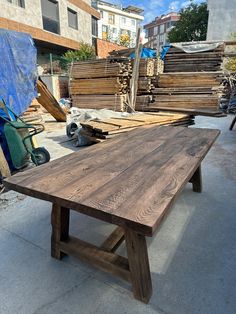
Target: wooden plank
[112,243]
[155,163]
[139,265]
[48,101]
[112,263]
[196,180]
[60,219]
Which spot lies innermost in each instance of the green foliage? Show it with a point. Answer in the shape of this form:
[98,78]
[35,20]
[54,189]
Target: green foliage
[192,25]
[230,64]
[85,52]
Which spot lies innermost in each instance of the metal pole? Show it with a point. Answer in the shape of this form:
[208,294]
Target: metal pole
[51,65]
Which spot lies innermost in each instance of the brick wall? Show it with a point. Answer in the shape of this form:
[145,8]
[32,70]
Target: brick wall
[104,47]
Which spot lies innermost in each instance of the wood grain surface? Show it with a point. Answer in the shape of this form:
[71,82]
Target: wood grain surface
[131,180]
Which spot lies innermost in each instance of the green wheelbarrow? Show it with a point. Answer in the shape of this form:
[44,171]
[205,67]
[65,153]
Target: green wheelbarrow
[20,141]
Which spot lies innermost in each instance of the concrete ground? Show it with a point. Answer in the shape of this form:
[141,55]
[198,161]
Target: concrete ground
[192,258]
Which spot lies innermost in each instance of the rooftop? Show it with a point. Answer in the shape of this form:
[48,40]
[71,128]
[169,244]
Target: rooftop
[129,9]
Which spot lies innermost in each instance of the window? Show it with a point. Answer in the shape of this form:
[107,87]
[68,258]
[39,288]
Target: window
[125,32]
[161,38]
[114,30]
[133,22]
[72,18]
[155,30]
[50,13]
[111,18]
[162,28]
[101,14]
[94,4]
[94,27]
[123,20]
[20,3]
[104,32]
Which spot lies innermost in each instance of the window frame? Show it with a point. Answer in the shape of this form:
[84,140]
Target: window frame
[54,20]
[111,18]
[21,3]
[69,10]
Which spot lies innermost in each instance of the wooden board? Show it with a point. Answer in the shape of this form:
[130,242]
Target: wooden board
[131,180]
[48,101]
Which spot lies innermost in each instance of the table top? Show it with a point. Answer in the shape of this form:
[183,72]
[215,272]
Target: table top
[131,180]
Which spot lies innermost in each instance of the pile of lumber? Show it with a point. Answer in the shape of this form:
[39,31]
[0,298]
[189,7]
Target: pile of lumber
[198,91]
[176,60]
[190,79]
[146,67]
[101,130]
[103,86]
[112,102]
[100,68]
[105,83]
[98,84]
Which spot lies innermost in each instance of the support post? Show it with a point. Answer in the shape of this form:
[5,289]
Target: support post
[60,220]
[196,180]
[139,265]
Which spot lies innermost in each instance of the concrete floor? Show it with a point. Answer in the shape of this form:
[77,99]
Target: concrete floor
[192,258]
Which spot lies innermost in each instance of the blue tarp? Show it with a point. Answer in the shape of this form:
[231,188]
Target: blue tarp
[164,51]
[18,70]
[146,53]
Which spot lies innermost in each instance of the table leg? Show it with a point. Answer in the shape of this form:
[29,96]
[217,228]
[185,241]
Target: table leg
[60,220]
[139,265]
[196,180]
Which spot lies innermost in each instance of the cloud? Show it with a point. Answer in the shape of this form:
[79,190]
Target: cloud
[174,5]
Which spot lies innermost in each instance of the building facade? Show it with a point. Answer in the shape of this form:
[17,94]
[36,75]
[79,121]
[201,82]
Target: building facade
[157,31]
[222,21]
[55,26]
[118,24]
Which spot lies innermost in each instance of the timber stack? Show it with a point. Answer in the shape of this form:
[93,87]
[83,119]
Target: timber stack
[191,82]
[98,84]
[105,83]
[176,60]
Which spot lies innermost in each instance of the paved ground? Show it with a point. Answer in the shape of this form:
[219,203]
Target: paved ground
[193,256]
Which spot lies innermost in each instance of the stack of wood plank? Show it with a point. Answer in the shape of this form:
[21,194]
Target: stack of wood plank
[146,67]
[112,102]
[97,131]
[101,68]
[100,83]
[176,60]
[105,83]
[101,86]
[192,91]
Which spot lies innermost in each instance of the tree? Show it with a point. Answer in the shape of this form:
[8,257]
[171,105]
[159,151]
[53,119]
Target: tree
[85,52]
[192,25]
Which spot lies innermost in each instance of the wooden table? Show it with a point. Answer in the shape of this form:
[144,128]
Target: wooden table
[130,181]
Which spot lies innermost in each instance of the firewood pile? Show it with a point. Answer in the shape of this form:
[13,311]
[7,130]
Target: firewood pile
[176,60]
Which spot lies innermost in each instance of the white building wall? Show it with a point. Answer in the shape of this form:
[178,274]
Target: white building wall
[222,19]
[123,21]
[32,15]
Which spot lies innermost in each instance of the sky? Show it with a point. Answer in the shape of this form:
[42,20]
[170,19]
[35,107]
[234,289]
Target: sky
[153,8]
